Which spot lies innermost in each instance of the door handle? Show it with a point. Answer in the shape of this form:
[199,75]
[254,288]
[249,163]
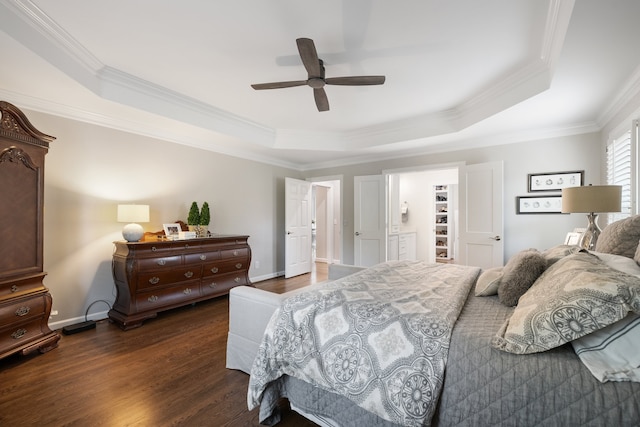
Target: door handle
[357,233]
[496,238]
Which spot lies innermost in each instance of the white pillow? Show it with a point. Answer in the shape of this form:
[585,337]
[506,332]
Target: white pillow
[488,282]
[619,262]
[612,353]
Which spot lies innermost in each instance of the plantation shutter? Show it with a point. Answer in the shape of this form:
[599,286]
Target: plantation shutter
[621,170]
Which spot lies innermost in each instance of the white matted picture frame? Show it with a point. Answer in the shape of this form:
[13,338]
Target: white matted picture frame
[539,204]
[572,238]
[171,230]
[554,181]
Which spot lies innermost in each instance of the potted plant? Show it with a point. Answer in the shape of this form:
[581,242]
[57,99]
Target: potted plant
[193,220]
[205,218]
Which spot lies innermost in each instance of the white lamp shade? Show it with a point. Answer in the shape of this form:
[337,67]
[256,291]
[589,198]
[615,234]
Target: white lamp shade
[592,198]
[133,213]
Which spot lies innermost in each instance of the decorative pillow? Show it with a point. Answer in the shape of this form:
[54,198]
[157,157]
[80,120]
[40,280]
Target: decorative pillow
[556,253]
[620,237]
[577,295]
[519,274]
[487,283]
[619,262]
[612,353]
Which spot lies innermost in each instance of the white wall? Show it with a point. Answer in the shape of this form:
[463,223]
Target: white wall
[90,169]
[577,152]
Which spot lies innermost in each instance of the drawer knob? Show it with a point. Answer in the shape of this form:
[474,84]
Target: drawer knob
[161,262]
[187,291]
[14,288]
[214,270]
[22,311]
[239,266]
[154,280]
[235,253]
[237,280]
[19,334]
[153,249]
[212,285]
[152,298]
[188,274]
[203,257]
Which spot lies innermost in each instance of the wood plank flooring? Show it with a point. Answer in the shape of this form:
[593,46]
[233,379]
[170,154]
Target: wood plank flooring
[169,372]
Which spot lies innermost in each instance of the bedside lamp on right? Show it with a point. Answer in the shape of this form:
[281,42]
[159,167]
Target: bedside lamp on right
[591,199]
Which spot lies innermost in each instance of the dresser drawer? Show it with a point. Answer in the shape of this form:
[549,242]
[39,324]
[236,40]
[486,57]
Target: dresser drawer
[167,277]
[155,299]
[226,266]
[222,283]
[159,262]
[201,257]
[20,333]
[234,253]
[15,288]
[22,308]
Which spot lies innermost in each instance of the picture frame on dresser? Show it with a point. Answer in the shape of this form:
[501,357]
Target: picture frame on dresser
[171,230]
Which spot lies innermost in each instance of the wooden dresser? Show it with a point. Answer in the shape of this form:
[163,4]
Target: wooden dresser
[25,303]
[156,276]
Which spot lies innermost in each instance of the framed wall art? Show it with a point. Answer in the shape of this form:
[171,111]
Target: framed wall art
[554,181]
[539,204]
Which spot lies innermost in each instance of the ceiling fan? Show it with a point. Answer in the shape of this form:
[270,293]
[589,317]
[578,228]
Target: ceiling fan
[316,78]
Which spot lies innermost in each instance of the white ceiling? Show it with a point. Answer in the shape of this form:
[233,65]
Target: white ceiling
[458,73]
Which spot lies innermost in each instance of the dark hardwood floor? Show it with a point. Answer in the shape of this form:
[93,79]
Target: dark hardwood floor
[169,372]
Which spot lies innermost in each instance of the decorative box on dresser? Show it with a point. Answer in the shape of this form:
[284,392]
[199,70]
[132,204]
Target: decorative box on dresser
[152,276]
[25,303]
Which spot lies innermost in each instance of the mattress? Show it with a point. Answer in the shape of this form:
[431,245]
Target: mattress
[484,386]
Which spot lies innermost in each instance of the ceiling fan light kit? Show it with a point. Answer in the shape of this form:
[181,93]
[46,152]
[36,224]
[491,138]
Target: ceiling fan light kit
[316,76]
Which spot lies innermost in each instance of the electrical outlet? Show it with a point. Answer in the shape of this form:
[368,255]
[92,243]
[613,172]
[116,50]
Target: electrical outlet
[257,264]
[54,312]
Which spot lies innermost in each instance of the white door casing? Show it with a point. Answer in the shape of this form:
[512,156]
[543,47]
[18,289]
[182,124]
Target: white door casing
[481,227]
[369,220]
[297,227]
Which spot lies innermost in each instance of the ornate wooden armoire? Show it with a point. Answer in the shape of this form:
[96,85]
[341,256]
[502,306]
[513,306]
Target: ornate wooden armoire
[25,303]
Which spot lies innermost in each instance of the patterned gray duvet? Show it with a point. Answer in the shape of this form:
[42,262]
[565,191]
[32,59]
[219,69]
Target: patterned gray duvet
[379,337]
[484,386]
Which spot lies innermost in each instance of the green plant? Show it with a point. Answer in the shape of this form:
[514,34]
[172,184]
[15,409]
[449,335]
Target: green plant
[194,215]
[205,215]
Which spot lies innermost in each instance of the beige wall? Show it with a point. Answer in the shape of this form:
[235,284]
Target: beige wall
[90,169]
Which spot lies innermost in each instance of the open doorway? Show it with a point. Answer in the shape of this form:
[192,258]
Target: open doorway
[326,226]
[422,214]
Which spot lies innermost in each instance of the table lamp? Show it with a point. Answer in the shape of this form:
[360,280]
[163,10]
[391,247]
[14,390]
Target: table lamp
[591,199]
[133,214]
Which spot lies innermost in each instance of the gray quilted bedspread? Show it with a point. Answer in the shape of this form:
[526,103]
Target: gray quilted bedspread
[487,387]
[379,337]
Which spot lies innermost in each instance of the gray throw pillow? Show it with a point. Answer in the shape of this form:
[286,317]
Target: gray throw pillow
[519,274]
[620,237]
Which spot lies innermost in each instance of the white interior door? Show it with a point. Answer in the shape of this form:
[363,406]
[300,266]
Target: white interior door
[369,220]
[481,213]
[298,227]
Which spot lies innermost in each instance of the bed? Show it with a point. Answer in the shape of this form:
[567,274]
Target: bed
[502,363]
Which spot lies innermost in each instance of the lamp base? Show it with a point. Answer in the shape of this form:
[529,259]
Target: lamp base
[590,236]
[132,232]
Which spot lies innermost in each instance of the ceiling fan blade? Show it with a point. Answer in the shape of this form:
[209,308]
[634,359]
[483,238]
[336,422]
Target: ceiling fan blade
[309,57]
[322,102]
[279,85]
[355,80]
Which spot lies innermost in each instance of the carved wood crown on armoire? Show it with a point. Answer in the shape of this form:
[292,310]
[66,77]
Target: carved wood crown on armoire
[25,303]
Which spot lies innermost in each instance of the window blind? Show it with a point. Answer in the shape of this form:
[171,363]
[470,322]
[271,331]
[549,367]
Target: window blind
[620,171]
